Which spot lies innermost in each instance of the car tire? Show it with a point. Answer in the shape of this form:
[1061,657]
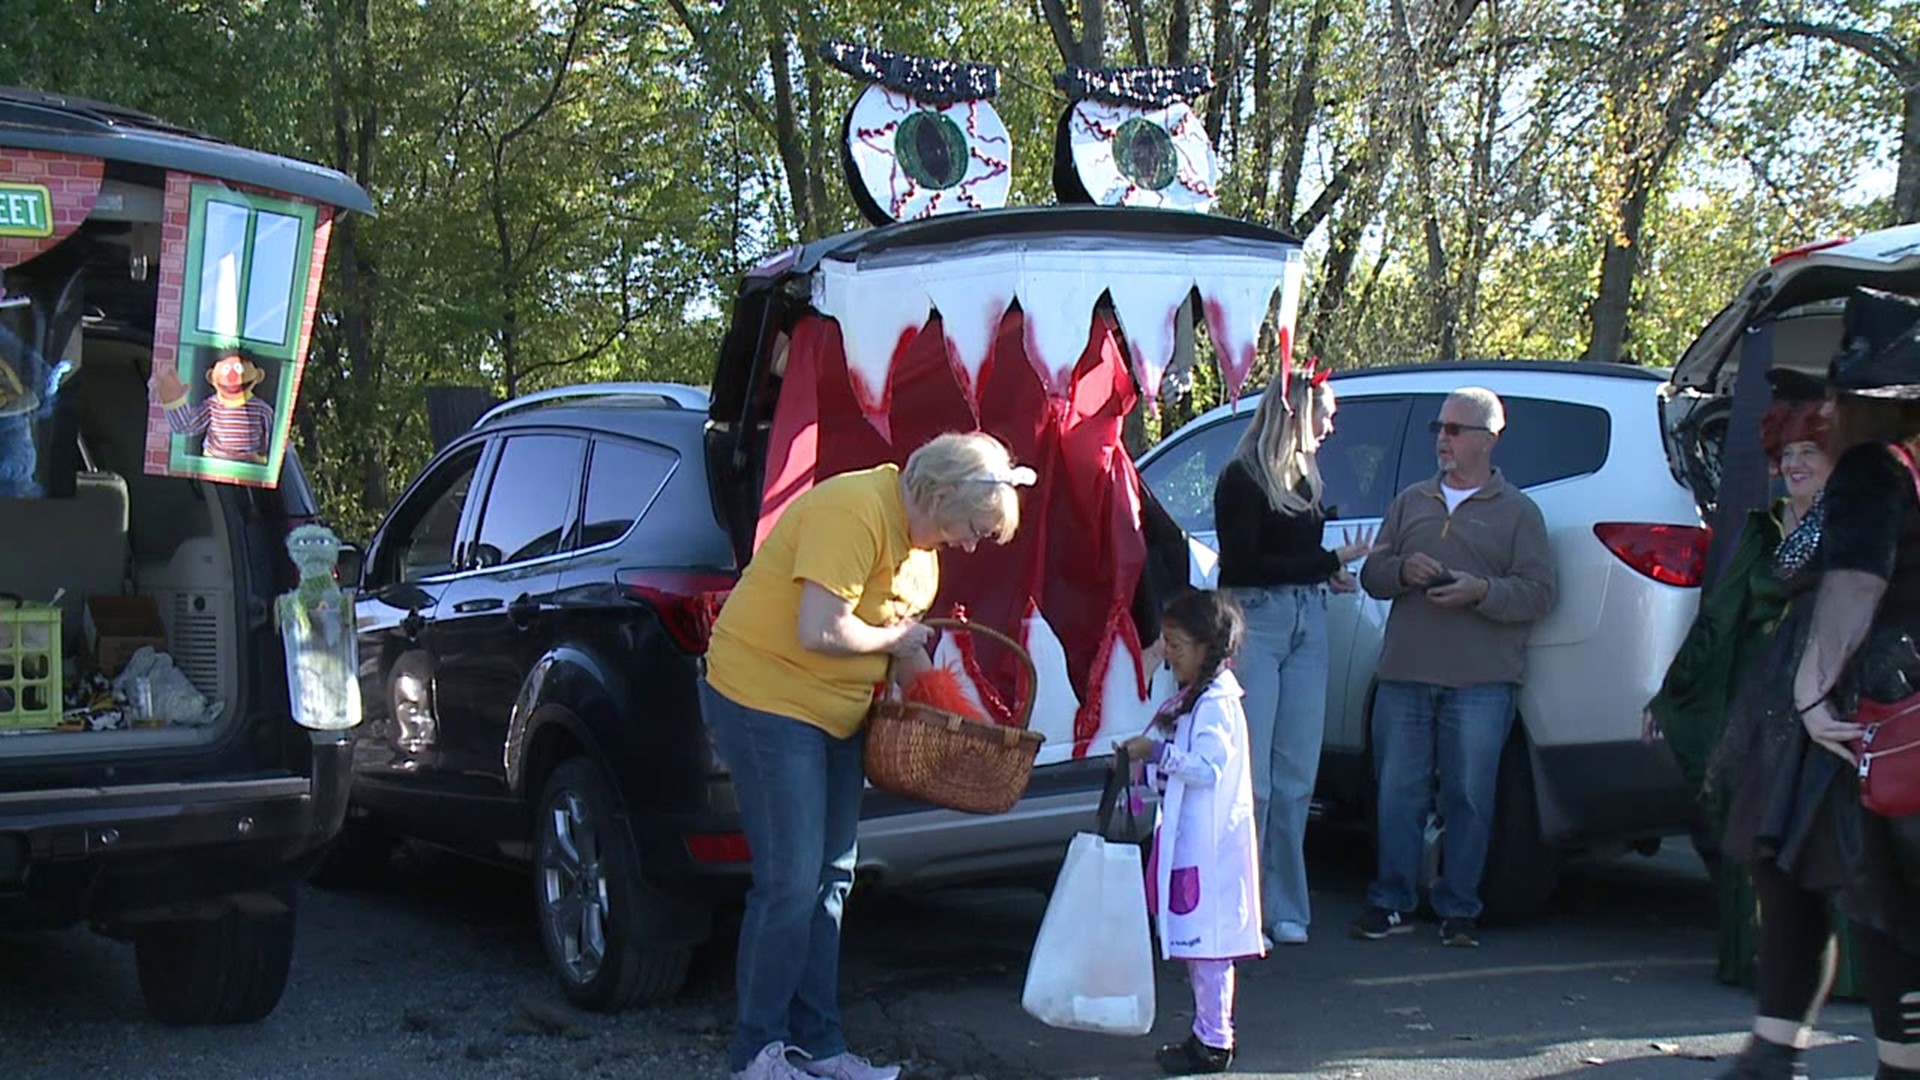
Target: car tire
[228,970]
[359,857]
[589,900]
[1522,871]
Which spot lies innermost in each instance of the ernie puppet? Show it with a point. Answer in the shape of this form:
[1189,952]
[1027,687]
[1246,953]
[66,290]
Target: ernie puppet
[236,425]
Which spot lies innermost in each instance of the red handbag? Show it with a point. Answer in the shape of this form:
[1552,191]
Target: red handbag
[1890,748]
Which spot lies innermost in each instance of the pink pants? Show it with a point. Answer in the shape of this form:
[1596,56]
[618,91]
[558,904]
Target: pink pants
[1212,1001]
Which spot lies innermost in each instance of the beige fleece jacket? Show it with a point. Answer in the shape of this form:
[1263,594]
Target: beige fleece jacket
[1497,534]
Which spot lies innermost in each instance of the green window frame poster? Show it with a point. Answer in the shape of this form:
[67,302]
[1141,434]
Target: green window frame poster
[247,275]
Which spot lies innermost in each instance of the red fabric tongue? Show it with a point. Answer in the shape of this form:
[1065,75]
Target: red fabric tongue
[1079,552]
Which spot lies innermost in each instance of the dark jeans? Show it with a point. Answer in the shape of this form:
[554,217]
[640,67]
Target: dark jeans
[799,791]
[1420,729]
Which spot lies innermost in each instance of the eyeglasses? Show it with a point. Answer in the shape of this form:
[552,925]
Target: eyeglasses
[1452,429]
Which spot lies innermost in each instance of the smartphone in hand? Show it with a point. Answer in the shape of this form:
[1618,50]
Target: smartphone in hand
[1446,578]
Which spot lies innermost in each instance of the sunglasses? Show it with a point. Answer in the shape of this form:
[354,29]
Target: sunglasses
[1452,429]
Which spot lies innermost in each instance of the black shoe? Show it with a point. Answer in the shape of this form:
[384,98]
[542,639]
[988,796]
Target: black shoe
[1460,933]
[1763,1060]
[1193,1056]
[1378,922]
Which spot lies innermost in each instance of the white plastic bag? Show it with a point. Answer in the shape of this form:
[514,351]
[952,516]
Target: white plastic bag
[1092,965]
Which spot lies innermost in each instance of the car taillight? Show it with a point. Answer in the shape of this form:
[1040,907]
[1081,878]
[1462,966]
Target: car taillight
[718,847]
[687,601]
[1669,554]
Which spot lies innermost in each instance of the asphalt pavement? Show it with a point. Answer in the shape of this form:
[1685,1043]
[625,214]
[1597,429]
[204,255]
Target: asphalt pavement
[438,974]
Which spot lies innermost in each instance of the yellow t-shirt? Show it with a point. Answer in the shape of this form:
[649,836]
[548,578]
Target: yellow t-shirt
[849,536]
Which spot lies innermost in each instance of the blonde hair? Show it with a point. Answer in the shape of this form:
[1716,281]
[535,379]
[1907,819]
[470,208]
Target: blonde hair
[957,477]
[1278,447]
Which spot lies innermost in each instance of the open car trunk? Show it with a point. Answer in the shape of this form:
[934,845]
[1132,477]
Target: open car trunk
[1042,327]
[1788,315]
[132,574]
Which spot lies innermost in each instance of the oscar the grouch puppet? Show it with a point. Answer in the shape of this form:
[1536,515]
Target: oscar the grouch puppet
[235,425]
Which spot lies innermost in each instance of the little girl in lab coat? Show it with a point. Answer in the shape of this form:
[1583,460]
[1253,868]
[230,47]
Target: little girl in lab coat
[1203,880]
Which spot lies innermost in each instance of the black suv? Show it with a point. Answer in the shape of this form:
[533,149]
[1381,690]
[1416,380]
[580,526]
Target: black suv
[187,831]
[531,616]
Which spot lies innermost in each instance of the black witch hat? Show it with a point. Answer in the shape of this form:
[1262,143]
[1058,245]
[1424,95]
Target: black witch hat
[1879,354]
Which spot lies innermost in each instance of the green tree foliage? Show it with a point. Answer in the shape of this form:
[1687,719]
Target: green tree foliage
[569,190]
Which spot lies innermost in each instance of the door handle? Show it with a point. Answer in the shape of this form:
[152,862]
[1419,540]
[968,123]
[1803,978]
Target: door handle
[485,603]
[412,624]
[521,612]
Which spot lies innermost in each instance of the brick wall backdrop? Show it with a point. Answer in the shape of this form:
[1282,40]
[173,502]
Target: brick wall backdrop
[72,181]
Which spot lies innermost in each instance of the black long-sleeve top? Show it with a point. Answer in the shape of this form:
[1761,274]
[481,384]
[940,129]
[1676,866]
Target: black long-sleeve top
[1261,546]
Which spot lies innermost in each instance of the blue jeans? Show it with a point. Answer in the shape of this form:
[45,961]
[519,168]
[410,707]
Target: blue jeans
[799,790]
[1417,726]
[1282,666]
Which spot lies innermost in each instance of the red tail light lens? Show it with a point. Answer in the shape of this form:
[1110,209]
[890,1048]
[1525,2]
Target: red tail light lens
[718,847]
[687,601]
[1669,554]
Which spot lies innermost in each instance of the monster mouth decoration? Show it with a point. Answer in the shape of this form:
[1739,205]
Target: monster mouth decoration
[1045,341]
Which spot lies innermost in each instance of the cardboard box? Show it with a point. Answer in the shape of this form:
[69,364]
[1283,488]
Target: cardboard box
[119,626]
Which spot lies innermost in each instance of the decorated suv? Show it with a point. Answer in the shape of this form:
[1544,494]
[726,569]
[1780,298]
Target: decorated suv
[535,608]
[158,776]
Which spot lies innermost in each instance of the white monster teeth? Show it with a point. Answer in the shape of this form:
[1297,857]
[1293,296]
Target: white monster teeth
[881,307]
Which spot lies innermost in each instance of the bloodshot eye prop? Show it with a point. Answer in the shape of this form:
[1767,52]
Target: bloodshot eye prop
[1130,138]
[924,139]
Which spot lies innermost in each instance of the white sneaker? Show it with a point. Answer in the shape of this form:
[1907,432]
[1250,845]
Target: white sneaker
[775,1061]
[849,1066]
[1290,933]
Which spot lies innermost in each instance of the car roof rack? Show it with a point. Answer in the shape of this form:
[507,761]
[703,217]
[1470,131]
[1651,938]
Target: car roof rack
[671,395]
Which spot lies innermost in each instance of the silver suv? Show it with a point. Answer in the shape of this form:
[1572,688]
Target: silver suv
[1584,441]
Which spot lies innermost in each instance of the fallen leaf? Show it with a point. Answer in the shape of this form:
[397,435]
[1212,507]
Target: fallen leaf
[1666,1047]
[1593,1061]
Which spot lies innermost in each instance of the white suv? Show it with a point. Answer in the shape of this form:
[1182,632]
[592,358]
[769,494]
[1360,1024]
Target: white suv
[1584,441]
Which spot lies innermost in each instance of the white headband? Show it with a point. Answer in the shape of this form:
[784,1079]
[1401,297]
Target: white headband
[1017,476]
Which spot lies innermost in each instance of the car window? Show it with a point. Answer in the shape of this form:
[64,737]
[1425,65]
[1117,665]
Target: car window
[425,548]
[1182,475]
[525,514]
[1544,441]
[1357,461]
[622,481]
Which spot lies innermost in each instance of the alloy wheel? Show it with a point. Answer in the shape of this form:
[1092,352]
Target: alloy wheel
[573,886]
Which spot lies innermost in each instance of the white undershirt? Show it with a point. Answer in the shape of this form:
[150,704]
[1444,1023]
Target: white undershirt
[1456,496]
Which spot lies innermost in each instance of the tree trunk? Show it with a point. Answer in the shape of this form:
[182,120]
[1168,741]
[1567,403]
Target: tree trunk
[1223,62]
[1260,28]
[1180,32]
[1619,266]
[1304,101]
[787,137]
[1906,185]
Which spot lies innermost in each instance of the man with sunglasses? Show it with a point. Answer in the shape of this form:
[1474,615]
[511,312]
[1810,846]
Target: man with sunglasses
[1464,559]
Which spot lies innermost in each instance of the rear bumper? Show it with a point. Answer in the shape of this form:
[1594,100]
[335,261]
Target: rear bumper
[170,849]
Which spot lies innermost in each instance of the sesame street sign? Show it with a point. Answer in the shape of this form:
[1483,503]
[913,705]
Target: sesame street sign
[25,210]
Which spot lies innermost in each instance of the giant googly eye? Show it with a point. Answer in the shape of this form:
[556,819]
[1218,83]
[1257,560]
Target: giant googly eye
[1131,139]
[925,138]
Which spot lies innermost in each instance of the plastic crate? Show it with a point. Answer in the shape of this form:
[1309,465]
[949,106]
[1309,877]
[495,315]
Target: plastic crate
[29,665]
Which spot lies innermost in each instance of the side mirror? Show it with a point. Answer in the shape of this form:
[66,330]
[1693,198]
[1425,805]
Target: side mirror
[486,556]
[348,568]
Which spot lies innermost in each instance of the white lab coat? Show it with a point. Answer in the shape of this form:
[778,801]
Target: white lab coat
[1206,833]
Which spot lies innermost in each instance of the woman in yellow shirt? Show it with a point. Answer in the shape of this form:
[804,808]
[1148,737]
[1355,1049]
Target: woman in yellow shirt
[831,599]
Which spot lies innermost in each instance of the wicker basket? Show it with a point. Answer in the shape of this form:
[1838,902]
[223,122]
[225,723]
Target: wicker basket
[946,759]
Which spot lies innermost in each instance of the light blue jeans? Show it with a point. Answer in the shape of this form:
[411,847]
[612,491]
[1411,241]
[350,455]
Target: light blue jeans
[799,791]
[1417,726]
[1282,667]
